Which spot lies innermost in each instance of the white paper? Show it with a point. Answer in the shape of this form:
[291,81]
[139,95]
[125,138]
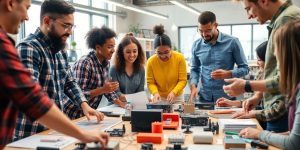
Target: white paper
[112,108]
[236,123]
[205,146]
[34,141]
[105,124]
[138,100]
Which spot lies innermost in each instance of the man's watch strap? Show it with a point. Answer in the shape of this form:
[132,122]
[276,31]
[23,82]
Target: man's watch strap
[248,86]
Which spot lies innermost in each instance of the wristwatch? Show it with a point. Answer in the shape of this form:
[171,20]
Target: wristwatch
[248,86]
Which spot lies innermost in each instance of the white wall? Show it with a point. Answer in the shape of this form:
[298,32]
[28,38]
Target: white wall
[227,12]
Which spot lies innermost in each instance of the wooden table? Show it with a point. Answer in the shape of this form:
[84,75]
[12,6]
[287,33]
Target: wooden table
[128,142]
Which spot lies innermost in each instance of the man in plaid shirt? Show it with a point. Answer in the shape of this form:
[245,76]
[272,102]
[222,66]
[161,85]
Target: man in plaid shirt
[91,72]
[279,12]
[43,54]
[17,89]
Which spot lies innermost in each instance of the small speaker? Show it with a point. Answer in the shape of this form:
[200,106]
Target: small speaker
[141,120]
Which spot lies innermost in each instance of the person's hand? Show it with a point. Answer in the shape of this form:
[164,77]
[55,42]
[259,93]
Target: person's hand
[92,136]
[119,103]
[110,86]
[224,102]
[194,93]
[88,111]
[250,133]
[250,104]
[243,115]
[220,74]
[156,98]
[170,97]
[122,98]
[236,88]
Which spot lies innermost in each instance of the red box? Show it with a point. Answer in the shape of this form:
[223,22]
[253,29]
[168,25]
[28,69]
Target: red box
[175,120]
[156,138]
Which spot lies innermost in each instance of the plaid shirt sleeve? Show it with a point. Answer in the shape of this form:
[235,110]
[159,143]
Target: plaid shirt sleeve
[82,73]
[31,59]
[72,90]
[19,91]
[276,110]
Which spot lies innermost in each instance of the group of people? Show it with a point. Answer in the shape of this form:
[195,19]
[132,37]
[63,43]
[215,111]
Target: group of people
[38,87]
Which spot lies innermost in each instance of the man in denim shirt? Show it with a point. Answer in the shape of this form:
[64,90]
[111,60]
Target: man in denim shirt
[213,59]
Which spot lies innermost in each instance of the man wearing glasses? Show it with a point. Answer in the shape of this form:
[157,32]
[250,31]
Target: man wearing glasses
[213,59]
[43,54]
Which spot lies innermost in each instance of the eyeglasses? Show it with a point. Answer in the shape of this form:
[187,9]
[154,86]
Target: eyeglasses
[66,26]
[166,53]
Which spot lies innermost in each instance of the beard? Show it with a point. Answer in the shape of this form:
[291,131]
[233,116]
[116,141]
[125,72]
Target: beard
[56,40]
[209,39]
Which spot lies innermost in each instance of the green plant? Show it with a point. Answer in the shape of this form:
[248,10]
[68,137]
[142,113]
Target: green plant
[135,29]
[73,45]
[176,49]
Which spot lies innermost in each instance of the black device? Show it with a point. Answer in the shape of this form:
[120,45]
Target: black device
[110,114]
[176,147]
[213,127]
[141,120]
[194,119]
[167,108]
[187,131]
[202,105]
[117,132]
[46,148]
[147,146]
[126,118]
[111,145]
[256,143]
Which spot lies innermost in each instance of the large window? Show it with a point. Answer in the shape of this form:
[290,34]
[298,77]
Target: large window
[84,21]
[250,36]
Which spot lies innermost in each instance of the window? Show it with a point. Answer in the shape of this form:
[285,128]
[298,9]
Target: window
[99,21]
[189,34]
[243,33]
[82,2]
[82,22]
[34,19]
[260,34]
[98,4]
[250,36]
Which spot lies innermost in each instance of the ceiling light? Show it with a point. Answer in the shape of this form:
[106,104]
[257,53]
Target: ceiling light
[136,8]
[182,4]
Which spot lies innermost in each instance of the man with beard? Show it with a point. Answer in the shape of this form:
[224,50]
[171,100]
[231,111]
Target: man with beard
[213,59]
[43,54]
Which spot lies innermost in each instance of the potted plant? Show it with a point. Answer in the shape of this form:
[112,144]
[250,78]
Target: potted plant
[135,29]
[72,57]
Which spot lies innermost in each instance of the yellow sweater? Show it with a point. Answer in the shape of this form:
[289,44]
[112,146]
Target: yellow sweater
[164,77]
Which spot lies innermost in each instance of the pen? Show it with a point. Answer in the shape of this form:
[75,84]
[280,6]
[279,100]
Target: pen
[231,133]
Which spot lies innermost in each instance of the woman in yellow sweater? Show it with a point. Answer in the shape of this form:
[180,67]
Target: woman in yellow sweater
[166,70]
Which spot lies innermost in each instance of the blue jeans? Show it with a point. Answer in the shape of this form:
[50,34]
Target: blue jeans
[279,125]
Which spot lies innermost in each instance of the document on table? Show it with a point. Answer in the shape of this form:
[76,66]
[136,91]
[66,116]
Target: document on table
[50,141]
[112,108]
[105,124]
[138,100]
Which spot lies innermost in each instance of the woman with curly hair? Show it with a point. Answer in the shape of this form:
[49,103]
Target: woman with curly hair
[128,67]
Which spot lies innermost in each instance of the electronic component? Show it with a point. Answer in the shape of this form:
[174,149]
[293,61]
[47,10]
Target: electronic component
[167,108]
[256,143]
[110,114]
[147,146]
[176,138]
[156,138]
[194,119]
[117,132]
[176,147]
[111,145]
[205,105]
[141,120]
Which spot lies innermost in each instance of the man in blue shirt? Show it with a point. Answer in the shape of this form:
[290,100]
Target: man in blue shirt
[213,59]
